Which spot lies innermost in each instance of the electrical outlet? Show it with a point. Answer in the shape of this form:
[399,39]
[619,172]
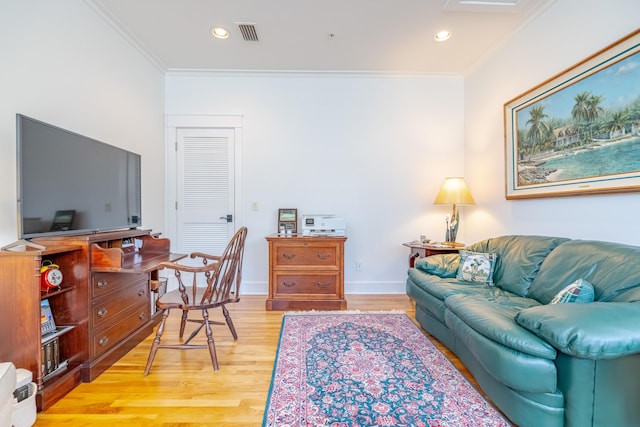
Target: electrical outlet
[254,206]
[358,265]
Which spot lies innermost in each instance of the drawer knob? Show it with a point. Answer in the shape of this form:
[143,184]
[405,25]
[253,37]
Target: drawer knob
[323,284]
[141,292]
[289,256]
[102,312]
[325,256]
[103,341]
[142,316]
[289,284]
[102,283]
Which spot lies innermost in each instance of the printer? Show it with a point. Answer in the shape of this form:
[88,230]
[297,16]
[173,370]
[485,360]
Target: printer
[323,225]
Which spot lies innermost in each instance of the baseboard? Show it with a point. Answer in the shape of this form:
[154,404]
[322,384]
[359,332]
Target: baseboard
[375,288]
[261,288]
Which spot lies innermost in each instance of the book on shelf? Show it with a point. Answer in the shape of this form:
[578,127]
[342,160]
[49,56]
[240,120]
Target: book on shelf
[47,322]
[61,367]
[51,361]
[56,353]
[50,356]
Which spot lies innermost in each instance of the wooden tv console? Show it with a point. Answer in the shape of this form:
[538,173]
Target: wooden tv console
[103,308]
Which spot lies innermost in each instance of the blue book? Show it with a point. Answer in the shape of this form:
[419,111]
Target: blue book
[46,318]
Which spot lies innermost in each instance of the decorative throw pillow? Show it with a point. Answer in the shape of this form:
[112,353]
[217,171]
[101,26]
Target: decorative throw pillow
[579,291]
[476,267]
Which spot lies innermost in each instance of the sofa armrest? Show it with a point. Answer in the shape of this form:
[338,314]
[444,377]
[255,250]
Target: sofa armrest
[441,265]
[599,330]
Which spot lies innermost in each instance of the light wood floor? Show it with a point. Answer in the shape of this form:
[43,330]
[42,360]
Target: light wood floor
[182,388]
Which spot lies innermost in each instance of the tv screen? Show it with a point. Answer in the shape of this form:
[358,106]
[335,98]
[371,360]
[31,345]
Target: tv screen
[72,184]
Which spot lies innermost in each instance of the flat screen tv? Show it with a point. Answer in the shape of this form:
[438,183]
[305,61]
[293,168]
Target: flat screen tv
[72,184]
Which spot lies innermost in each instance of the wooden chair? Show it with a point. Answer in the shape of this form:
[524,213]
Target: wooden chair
[213,284]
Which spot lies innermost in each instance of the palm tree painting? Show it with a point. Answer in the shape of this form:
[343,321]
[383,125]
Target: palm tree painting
[578,129]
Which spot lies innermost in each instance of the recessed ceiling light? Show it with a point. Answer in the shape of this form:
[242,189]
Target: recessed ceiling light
[220,32]
[442,36]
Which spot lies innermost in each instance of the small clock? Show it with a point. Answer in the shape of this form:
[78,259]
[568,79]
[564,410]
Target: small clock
[50,276]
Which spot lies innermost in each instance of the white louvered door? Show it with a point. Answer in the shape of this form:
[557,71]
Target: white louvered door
[205,189]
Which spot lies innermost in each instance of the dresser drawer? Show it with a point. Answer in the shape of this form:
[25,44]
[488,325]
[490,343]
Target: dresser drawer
[132,319]
[106,311]
[307,284]
[306,254]
[104,283]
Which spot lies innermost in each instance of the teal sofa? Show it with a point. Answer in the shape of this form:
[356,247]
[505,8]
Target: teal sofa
[551,365]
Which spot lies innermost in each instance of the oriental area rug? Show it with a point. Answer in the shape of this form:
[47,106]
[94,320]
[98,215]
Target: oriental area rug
[358,369]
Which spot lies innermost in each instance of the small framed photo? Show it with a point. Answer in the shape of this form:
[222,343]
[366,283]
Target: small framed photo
[288,220]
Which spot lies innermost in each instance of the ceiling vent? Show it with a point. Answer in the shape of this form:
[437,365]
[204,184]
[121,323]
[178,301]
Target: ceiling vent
[248,31]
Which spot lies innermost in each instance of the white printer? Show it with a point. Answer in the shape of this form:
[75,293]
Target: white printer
[323,225]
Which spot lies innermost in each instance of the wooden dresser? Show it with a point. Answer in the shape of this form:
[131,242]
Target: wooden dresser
[306,273]
[104,306]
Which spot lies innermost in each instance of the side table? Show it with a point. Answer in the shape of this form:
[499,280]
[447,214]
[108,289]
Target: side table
[427,249]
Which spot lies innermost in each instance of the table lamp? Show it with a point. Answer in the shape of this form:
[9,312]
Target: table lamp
[453,191]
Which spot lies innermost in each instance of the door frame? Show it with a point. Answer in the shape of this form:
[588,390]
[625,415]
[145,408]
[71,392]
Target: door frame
[179,121]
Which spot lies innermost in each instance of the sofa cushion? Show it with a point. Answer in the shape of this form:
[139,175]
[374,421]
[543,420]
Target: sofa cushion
[495,320]
[432,305]
[579,291]
[517,370]
[519,259]
[442,265]
[612,268]
[441,288]
[476,267]
[601,330]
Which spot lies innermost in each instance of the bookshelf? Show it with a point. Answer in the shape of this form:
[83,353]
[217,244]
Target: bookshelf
[21,305]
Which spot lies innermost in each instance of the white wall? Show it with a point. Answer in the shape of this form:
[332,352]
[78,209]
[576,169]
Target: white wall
[566,33]
[62,64]
[371,149]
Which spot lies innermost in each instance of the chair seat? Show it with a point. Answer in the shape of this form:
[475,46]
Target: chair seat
[173,299]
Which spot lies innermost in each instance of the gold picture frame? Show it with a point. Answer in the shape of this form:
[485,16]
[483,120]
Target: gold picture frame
[578,132]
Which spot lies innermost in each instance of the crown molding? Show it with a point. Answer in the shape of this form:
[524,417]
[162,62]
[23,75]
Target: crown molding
[99,8]
[184,72]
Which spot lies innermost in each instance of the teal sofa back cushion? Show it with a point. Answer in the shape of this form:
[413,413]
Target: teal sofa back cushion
[612,268]
[494,320]
[519,259]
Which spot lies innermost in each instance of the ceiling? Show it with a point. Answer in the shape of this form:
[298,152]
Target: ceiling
[381,36]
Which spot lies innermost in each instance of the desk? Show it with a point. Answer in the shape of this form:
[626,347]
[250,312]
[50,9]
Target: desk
[424,250]
[104,302]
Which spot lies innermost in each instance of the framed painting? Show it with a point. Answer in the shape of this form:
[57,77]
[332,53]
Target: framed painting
[578,132]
